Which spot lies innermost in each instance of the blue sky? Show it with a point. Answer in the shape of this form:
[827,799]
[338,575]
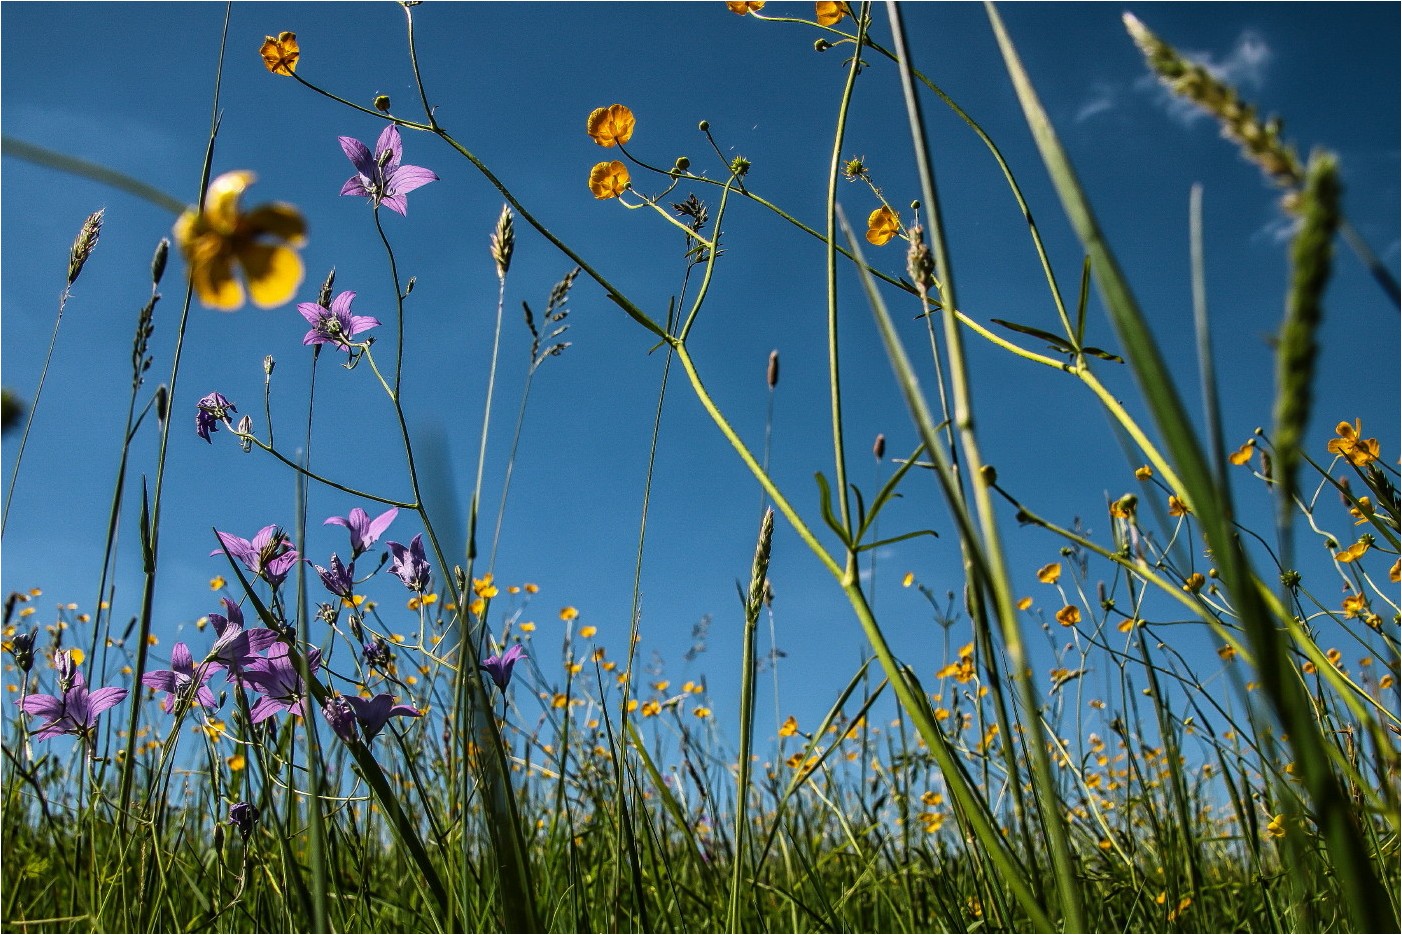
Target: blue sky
[515,82]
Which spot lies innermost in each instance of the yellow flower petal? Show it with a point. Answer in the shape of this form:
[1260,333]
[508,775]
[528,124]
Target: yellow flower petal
[280,55]
[883,224]
[1049,574]
[609,179]
[274,273]
[611,125]
[830,13]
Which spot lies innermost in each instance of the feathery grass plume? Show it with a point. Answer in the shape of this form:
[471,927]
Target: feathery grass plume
[1260,141]
[84,243]
[1311,255]
[504,241]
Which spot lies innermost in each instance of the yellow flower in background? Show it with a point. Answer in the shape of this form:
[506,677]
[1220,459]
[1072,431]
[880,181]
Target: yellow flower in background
[789,727]
[216,583]
[830,14]
[1194,583]
[568,613]
[883,224]
[1243,454]
[586,632]
[741,7]
[280,55]
[908,580]
[1024,603]
[1143,473]
[1049,574]
[609,179]
[1362,512]
[1124,507]
[1177,507]
[1069,616]
[702,712]
[1275,828]
[611,125]
[1353,552]
[1354,605]
[652,709]
[260,242]
[1394,574]
[1359,451]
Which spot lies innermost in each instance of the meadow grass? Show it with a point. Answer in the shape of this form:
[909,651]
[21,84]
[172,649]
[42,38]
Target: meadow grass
[596,795]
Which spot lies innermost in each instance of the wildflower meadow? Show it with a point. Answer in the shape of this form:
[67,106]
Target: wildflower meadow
[747,467]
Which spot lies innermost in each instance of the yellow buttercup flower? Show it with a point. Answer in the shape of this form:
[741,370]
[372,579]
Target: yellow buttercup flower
[611,125]
[1275,828]
[1243,454]
[260,242]
[1143,473]
[1353,552]
[789,727]
[1359,451]
[1068,616]
[883,224]
[1177,507]
[741,7]
[1048,574]
[830,13]
[609,179]
[280,55]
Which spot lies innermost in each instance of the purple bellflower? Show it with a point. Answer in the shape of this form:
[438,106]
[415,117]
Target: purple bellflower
[339,715]
[374,713]
[213,409]
[183,673]
[381,177]
[364,531]
[276,678]
[409,564]
[338,579]
[236,647]
[499,667]
[73,711]
[335,325]
[268,554]
[243,815]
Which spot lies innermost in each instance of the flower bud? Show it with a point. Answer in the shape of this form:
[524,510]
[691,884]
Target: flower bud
[409,286]
[821,45]
[243,815]
[245,431]
[382,103]
[773,373]
[269,362]
[878,449]
[704,126]
[683,163]
[22,649]
[989,474]
[158,262]
[324,298]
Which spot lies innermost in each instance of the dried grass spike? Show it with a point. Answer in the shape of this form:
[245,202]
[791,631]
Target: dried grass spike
[1260,140]
[504,241]
[84,244]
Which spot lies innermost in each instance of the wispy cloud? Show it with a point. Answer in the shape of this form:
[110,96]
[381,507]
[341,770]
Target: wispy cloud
[1276,231]
[1244,67]
[1103,97]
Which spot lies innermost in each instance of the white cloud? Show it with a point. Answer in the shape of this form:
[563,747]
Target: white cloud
[1103,97]
[1277,230]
